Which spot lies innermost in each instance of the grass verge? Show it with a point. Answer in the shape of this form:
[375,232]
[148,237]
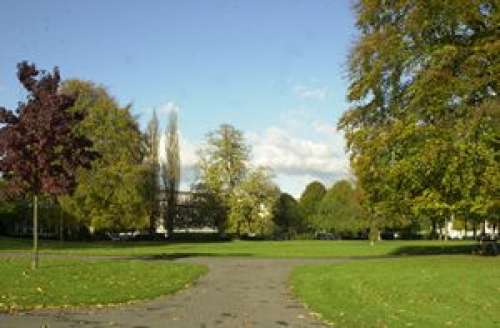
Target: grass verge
[444,291]
[64,283]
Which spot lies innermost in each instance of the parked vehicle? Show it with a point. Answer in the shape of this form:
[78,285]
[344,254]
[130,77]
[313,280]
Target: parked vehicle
[324,236]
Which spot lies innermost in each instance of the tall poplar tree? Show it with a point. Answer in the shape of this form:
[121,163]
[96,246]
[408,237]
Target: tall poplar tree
[40,149]
[152,163]
[171,172]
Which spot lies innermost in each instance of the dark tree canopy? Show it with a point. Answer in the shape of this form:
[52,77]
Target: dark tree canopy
[39,148]
[288,215]
[311,197]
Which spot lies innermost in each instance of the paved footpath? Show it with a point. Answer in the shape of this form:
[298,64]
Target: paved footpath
[236,292]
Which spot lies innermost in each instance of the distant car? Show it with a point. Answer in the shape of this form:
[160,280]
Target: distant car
[113,236]
[122,236]
[325,236]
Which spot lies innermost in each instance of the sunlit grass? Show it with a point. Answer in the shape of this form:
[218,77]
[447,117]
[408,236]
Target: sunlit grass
[441,291]
[59,283]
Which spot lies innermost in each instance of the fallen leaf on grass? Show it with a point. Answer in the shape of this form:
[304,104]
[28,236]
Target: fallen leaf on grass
[315,314]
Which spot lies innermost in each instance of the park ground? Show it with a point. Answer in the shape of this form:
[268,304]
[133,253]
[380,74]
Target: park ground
[255,283]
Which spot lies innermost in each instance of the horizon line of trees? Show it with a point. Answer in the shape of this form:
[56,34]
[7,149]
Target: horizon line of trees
[422,132]
[120,187]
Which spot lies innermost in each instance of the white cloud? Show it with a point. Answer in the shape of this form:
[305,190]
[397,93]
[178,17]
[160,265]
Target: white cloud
[311,93]
[324,128]
[295,158]
[301,158]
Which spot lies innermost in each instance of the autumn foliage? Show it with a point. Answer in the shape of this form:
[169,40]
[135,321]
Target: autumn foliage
[39,149]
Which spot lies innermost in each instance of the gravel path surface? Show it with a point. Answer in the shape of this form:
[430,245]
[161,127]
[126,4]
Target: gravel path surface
[236,292]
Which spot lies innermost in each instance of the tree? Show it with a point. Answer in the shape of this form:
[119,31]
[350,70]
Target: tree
[40,149]
[310,198]
[6,209]
[340,211]
[420,73]
[222,164]
[251,205]
[110,195]
[152,163]
[171,171]
[288,216]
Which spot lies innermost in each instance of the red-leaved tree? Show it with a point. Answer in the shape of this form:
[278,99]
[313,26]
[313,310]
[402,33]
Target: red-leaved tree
[40,149]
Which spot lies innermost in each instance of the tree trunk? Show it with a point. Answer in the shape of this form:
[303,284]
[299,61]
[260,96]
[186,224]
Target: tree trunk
[446,228]
[169,217]
[152,225]
[221,222]
[465,228]
[434,230]
[61,224]
[34,260]
[474,230]
[169,223]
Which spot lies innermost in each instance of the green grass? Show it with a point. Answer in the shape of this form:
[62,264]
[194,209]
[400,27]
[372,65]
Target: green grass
[443,291]
[61,283]
[273,249]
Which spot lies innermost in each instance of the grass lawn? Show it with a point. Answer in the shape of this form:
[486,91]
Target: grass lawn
[441,291]
[278,249]
[64,282]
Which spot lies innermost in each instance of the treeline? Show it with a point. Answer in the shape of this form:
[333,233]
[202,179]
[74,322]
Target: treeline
[322,213]
[127,187]
[117,192]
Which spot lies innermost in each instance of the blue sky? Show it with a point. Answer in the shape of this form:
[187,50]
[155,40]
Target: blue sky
[274,69]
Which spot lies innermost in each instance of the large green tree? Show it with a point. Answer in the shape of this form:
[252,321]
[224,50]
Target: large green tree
[424,89]
[111,194]
[223,164]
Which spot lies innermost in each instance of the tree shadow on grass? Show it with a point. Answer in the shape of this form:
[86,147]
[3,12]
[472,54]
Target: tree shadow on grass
[445,249]
[182,255]
[8,243]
